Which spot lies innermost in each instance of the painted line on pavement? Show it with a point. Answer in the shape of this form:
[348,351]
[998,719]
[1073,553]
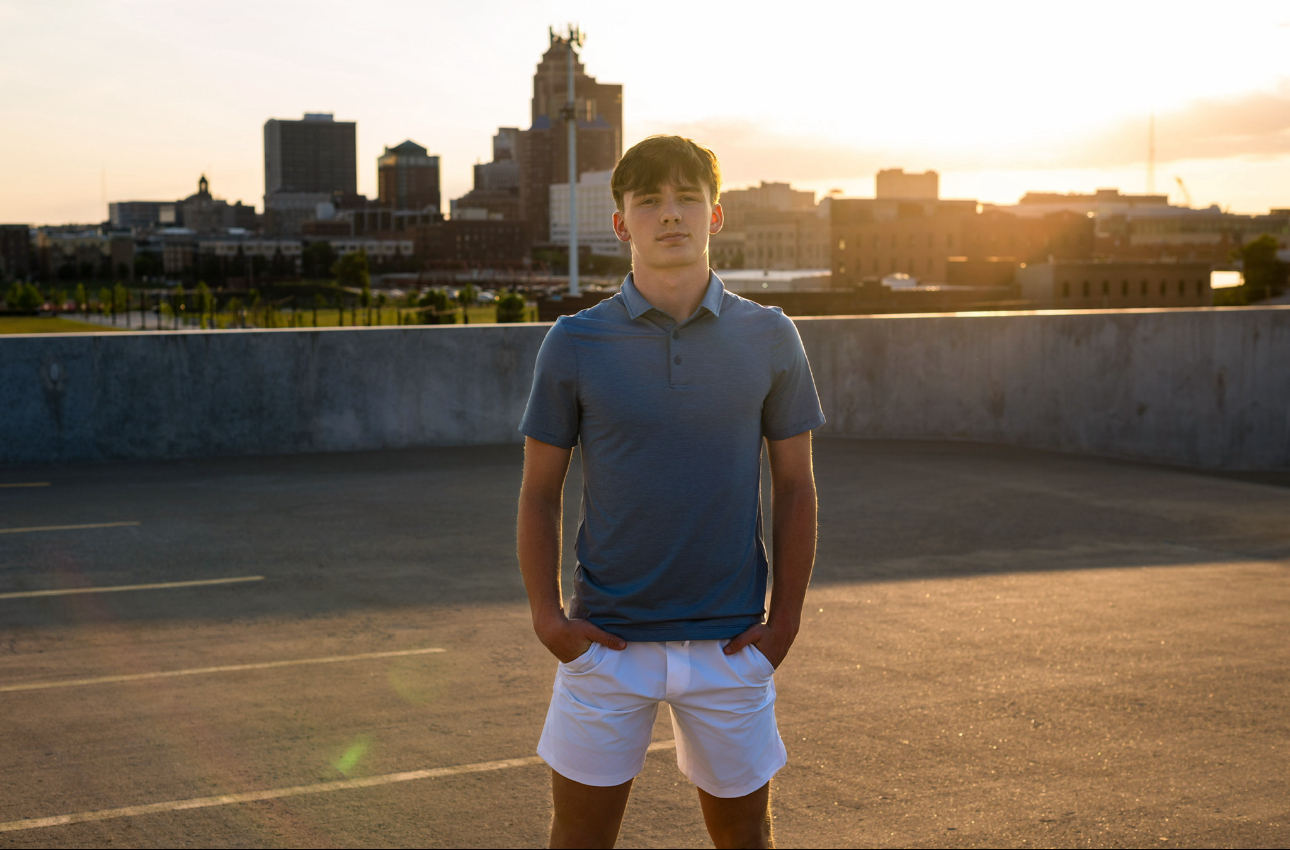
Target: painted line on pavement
[66,527]
[67,591]
[26,484]
[197,671]
[278,793]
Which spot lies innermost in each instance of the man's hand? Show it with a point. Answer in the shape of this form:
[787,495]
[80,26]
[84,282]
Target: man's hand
[567,639]
[770,641]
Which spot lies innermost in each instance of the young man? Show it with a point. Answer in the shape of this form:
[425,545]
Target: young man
[670,387]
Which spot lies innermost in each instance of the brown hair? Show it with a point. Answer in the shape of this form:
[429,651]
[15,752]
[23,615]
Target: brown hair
[665,159]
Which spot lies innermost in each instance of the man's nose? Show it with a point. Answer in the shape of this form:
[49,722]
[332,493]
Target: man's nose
[670,213]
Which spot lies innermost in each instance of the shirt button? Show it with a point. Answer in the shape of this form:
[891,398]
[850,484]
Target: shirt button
[677,360]
[676,334]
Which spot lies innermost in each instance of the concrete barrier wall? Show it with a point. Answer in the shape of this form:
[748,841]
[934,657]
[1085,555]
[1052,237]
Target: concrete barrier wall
[1207,388]
[1203,388]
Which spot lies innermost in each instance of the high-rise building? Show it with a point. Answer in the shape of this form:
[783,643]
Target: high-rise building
[315,154]
[496,194]
[543,148]
[309,165]
[408,178]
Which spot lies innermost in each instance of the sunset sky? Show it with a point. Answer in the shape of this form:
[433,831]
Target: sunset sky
[133,100]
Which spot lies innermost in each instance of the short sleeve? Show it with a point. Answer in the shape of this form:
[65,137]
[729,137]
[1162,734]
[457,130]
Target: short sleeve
[552,414]
[792,406]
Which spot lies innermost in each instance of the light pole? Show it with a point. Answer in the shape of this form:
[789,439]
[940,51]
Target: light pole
[574,39]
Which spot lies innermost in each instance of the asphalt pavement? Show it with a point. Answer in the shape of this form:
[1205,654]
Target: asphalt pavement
[1001,647]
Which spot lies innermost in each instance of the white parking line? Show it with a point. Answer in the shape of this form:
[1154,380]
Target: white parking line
[27,594]
[25,484]
[66,527]
[197,671]
[278,793]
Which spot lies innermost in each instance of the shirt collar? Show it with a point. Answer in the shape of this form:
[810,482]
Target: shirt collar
[637,306]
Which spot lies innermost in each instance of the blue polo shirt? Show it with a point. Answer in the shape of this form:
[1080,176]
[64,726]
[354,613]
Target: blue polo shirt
[670,417]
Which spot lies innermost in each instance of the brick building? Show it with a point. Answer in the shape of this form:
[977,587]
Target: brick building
[874,237]
[472,243]
[1098,284]
[407,178]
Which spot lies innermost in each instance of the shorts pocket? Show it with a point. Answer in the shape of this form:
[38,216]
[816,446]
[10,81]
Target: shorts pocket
[584,662]
[760,661]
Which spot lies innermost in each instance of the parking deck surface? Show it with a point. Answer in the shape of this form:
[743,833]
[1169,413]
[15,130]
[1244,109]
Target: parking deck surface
[1001,647]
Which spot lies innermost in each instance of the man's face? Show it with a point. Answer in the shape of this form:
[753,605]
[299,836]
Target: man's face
[668,226]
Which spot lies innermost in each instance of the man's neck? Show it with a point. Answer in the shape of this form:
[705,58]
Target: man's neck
[677,292]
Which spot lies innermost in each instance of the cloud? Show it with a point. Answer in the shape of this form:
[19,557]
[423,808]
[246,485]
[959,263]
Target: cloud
[1253,124]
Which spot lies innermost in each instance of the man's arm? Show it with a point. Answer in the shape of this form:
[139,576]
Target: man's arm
[793,520]
[538,535]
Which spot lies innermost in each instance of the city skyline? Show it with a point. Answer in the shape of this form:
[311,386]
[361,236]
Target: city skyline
[144,97]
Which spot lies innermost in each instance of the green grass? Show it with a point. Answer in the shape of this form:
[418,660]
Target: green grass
[43,325]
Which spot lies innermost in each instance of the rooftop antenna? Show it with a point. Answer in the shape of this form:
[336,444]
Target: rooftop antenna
[1151,154]
[573,39]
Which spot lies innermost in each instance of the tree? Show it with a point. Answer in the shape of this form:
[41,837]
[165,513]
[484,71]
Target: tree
[120,301]
[59,299]
[23,296]
[466,297]
[317,259]
[178,298]
[205,304]
[1265,275]
[438,307]
[381,300]
[511,307]
[82,300]
[351,270]
[365,301]
[234,307]
[105,303]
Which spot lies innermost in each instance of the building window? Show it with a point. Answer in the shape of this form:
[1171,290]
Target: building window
[842,243]
[1086,289]
[1124,287]
[1182,285]
[1163,289]
[1200,284]
[1106,288]
[1066,289]
[1144,287]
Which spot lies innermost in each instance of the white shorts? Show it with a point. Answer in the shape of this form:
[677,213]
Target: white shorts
[723,714]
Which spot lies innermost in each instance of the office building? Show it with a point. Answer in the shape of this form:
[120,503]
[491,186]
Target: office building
[1099,284]
[307,164]
[465,243]
[895,184]
[203,213]
[770,226]
[595,215]
[141,215]
[542,150]
[408,178]
[315,155]
[496,192]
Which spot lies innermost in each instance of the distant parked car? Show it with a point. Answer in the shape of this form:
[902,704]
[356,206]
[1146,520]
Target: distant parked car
[486,297]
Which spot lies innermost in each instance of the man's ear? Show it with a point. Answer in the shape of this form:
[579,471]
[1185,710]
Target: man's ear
[620,228]
[718,219]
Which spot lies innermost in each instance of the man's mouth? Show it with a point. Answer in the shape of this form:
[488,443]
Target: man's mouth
[671,237]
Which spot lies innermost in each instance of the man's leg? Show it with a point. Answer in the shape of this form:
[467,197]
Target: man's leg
[738,821]
[587,815]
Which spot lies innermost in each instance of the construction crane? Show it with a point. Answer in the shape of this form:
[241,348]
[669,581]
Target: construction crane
[1186,194]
